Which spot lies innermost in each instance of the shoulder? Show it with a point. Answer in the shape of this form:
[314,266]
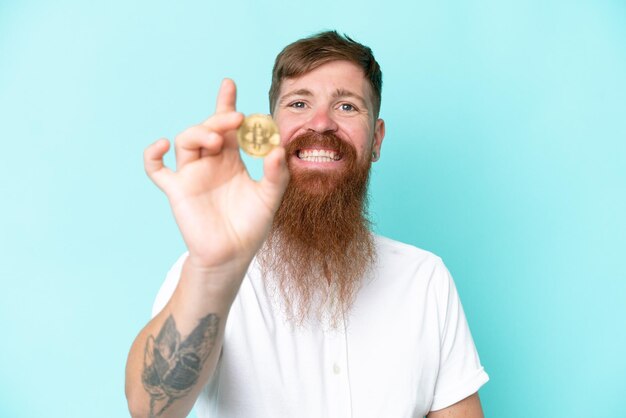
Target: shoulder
[410,267]
[392,251]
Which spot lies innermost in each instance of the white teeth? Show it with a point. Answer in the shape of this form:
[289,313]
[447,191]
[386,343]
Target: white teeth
[318,155]
[317,159]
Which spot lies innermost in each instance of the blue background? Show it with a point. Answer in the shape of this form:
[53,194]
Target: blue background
[504,154]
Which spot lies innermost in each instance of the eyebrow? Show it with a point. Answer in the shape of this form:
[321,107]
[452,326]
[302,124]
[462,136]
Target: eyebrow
[299,92]
[341,93]
[338,94]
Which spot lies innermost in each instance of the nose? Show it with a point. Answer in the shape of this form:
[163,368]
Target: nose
[321,121]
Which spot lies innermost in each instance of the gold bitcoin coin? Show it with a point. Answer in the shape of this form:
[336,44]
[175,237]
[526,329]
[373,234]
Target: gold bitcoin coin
[258,135]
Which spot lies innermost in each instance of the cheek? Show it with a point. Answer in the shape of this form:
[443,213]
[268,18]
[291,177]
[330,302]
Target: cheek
[287,133]
[362,140]
[285,129]
[288,127]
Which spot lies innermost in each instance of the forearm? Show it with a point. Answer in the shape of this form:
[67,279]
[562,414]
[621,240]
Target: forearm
[176,353]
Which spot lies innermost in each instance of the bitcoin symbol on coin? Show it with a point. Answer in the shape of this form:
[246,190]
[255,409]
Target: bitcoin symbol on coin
[258,135]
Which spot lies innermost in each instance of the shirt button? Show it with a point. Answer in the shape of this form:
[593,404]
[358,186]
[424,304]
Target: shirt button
[336,369]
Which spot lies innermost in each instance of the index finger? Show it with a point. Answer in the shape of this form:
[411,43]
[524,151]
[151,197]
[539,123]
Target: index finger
[226,97]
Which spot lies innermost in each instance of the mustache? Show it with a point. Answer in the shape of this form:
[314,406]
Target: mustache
[328,140]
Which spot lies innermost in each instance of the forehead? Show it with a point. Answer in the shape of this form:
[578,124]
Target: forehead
[328,78]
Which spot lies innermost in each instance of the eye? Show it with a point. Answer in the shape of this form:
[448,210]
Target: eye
[347,107]
[297,105]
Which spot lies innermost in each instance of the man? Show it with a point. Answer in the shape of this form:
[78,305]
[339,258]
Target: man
[285,304]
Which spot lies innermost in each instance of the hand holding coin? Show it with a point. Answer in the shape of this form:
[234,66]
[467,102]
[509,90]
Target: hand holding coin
[212,194]
[258,135]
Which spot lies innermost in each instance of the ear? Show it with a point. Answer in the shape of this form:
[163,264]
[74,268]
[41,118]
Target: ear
[379,135]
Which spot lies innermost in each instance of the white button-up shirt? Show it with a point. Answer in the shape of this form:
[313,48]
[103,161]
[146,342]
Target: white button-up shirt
[403,350]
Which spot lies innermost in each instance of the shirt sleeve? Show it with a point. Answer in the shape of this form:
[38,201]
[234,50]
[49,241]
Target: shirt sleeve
[168,286]
[460,372]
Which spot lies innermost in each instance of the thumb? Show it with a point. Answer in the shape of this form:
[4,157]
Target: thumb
[275,176]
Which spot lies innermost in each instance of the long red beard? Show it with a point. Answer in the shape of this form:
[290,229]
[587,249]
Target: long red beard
[320,246]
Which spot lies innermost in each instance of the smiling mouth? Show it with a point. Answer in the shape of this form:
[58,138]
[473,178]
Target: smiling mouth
[318,155]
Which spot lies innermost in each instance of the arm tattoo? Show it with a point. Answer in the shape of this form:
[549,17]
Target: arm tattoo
[171,367]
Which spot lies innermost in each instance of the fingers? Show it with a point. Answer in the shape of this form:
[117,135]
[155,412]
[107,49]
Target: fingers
[224,122]
[201,140]
[196,142]
[226,97]
[276,176]
[226,118]
[153,163]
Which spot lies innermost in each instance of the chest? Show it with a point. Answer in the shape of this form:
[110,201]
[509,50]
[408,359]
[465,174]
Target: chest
[382,360]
